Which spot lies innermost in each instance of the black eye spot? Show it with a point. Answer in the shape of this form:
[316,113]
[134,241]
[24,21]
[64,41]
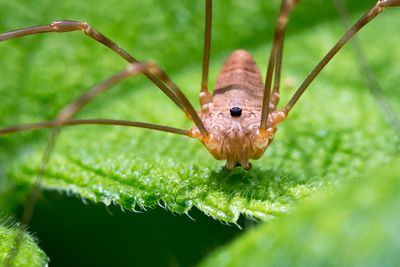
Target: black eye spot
[236,112]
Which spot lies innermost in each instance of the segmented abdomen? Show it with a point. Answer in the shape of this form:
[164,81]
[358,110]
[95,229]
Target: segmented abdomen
[239,82]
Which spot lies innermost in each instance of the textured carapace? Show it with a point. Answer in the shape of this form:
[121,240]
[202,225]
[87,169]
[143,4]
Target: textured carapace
[233,116]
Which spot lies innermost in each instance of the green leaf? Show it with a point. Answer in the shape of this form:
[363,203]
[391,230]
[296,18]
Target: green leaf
[29,254]
[333,133]
[354,226]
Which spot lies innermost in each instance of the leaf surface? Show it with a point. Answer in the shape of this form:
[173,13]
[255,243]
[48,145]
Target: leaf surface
[357,226]
[29,254]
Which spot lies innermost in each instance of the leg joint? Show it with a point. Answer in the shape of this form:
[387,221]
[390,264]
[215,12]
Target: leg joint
[69,25]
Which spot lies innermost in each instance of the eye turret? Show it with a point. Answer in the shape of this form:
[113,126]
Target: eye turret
[236,112]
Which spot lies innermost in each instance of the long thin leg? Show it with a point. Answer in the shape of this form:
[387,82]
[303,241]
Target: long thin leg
[55,124]
[61,26]
[280,32]
[205,96]
[371,14]
[275,96]
[365,68]
[275,61]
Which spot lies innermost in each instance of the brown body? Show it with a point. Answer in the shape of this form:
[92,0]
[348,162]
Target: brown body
[236,138]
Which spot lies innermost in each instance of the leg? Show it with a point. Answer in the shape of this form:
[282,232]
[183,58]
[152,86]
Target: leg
[275,61]
[61,26]
[68,26]
[370,15]
[205,96]
[280,33]
[55,124]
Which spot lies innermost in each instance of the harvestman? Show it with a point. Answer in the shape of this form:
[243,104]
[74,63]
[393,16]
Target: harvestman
[236,123]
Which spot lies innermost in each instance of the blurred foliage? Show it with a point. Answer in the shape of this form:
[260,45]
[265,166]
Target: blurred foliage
[332,135]
[29,254]
[355,226]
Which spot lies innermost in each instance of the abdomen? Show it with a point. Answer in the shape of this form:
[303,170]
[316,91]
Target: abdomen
[239,83]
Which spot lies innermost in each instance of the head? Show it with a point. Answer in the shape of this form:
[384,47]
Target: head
[234,135]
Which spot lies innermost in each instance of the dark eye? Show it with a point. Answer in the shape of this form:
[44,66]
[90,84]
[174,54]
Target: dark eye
[236,112]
